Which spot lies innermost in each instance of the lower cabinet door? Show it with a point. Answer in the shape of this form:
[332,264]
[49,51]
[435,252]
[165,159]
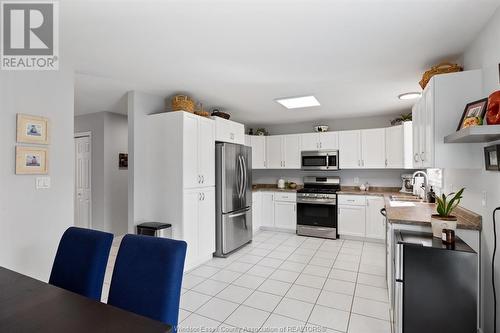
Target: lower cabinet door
[206,223]
[256,211]
[285,215]
[267,214]
[351,220]
[190,225]
[375,222]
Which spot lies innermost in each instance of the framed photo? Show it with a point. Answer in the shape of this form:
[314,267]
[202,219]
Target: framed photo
[32,129]
[492,157]
[123,160]
[473,114]
[32,160]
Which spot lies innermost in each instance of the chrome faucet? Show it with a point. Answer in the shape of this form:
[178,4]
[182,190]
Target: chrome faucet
[426,184]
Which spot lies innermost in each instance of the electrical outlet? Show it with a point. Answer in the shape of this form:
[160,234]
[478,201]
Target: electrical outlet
[356,180]
[484,198]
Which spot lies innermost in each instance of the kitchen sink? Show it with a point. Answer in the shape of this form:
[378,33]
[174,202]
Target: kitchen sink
[405,198]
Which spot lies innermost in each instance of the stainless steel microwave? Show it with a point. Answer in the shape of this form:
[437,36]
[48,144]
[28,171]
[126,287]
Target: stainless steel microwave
[320,160]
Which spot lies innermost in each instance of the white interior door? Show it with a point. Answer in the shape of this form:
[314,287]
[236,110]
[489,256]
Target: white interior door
[83,188]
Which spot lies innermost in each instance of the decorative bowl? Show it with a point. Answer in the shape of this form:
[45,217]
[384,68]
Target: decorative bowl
[321,128]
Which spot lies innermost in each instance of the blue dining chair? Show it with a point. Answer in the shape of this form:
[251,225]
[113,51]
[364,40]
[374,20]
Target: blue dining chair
[81,260]
[147,277]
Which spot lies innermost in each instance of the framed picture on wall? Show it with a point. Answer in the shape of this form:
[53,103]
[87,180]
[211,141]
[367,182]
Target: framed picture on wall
[32,129]
[492,157]
[473,114]
[32,160]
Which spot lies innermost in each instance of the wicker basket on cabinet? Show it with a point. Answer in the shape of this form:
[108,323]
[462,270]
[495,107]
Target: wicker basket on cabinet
[442,68]
[182,103]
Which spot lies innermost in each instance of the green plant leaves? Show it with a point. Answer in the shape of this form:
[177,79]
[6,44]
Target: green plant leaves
[445,206]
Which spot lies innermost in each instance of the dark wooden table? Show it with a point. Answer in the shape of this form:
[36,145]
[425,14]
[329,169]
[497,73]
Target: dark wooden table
[29,305]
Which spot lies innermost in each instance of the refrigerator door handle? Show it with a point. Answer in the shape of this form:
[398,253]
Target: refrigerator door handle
[242,176]
[245,175]
[239,214]
[399,308]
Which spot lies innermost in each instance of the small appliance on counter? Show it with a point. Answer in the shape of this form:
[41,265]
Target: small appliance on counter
[281,183]
[407,186]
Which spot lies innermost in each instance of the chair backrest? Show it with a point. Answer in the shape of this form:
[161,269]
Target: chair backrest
[81,260]
[147,277]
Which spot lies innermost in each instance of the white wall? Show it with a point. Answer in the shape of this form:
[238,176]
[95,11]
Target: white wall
[32,221]
[109,183]
[483,53]
[334,125]
[115,179]
[384,178]
[143,203]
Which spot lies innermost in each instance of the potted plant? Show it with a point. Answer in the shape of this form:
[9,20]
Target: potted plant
[445,206]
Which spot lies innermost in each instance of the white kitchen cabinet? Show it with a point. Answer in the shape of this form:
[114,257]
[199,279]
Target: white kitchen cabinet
[351,220]
[285,215]
[373,148]
[320,141]
[350,149]
[256,211]
[198,229]
[274,158]
[375,222]
[198,151]
[178,179]
[283,152]
[248,140]
[359,216]
[258,144]
[267,209]
[229,131]
[394,149]
[437,113]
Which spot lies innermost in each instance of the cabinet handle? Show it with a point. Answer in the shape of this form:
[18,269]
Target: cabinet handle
[422,156]
[231,135]
[199,196]
[416,158]
[199,179]
[203,196]
[284,164]
[386,162]
[203,179]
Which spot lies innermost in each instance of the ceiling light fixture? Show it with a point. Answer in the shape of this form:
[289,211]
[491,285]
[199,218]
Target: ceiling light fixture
[409,95]
[298,102]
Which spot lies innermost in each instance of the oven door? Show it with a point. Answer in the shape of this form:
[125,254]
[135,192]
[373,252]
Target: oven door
[317,214]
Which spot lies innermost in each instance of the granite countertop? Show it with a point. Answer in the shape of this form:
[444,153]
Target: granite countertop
[420,214]
[379,191]
[273,188]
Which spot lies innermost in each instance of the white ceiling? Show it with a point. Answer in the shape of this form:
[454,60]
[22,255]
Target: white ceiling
[354,56]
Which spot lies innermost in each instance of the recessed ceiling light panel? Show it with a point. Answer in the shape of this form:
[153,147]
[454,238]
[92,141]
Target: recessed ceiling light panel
[298,102]
[409,95]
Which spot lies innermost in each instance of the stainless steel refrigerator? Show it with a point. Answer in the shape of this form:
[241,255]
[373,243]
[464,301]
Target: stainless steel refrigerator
[233,191]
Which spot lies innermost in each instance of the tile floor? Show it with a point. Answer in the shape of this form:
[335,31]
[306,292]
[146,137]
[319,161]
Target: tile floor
[286,282]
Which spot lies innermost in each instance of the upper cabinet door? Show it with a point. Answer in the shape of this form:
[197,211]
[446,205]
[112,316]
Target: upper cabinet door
[349,149]
[274,158]
[329,141]
[373,148]
[309,141]
[291,151]
[206,151]
[394,147]
[415,111]
[192,177]
[428,124]
[258,144]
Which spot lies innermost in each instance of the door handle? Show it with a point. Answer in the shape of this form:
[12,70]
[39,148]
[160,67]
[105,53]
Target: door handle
[238,214]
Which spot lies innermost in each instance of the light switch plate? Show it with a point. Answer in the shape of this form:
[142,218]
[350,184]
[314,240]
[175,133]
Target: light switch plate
[42,183]
[356,180]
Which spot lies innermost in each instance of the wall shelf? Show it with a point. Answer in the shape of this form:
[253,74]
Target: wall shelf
[475,134]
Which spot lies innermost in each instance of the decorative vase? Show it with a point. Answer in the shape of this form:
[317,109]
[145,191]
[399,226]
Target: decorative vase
[493,113]
[439,223]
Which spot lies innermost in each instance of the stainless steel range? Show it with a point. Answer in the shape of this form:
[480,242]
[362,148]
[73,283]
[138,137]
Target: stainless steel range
[317,207]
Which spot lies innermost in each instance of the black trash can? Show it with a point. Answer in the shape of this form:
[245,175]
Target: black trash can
[156,229]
